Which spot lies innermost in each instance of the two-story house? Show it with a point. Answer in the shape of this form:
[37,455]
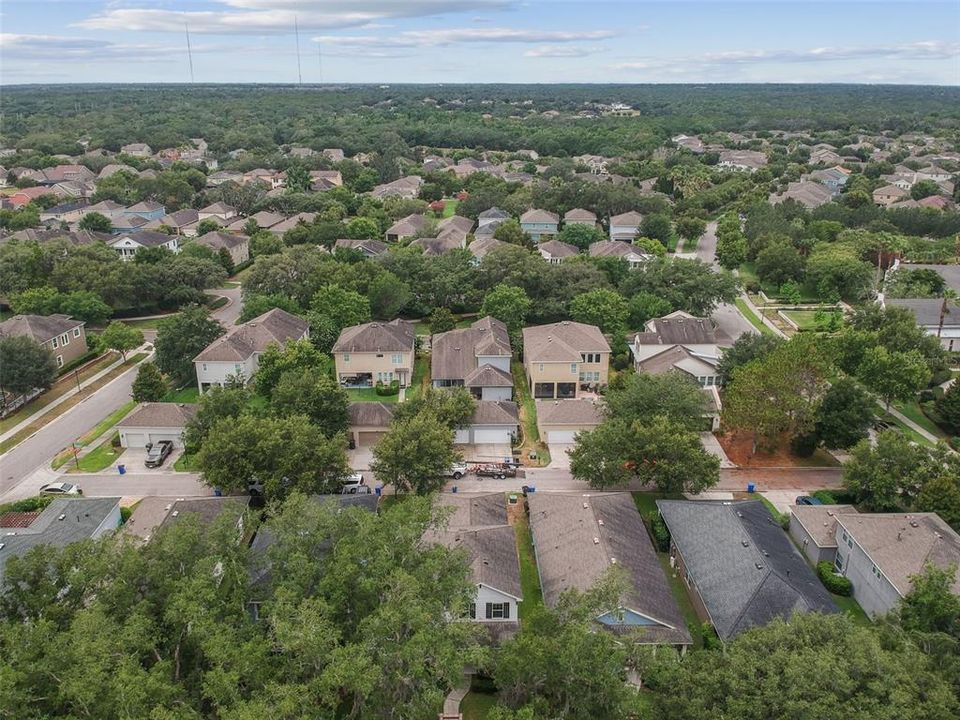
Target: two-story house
[625,226]
[237,354]
[148,210]
[477,357]
[128,244]
[539,224]
[407,227]
[375,352]
[63,336]
[237,246]
[579,216]
[556,251]
[220,212]
[679,341]
[561,357]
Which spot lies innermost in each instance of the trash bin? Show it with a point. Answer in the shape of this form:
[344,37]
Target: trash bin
[454,489]
[122,469]
[378,490]
[531,488]
[751,487]
[217,492]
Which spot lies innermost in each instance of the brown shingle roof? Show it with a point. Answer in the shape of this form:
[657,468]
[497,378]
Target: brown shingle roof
[578,411]
[820,521]
[217,240]
[159,415]
[40,328]
[579,215]
[680,328]
[370,414]
[495,412]
[632,217]
[535,215]
[562,341]
[488,376]
[614,248]
[394,336]
[240,342]
[480,247]
[454,353]
[558,249]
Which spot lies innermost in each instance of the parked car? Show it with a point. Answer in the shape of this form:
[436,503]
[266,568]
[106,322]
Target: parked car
[353,483]
[60,488]
[457,471]
[156,454]
[495,470]
[807,500]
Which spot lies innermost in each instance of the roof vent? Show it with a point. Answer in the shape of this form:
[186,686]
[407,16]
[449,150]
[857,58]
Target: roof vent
[596,541]
[613,561]
[759,565]
[766,554]
[914,523]
[745,543]
[585,506]
[600,523]
[62,516]
[175,513]
[739,514]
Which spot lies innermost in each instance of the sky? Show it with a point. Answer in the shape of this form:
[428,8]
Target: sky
[479,41]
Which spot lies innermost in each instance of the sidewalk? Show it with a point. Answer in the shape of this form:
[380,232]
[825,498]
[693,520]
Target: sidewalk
[756,311]
[909,423]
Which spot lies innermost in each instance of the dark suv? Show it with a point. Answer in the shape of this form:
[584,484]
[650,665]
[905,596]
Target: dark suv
[156,454]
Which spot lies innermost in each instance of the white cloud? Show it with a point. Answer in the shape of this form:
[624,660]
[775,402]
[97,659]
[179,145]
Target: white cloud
[456,36]
[59,48]
[559,51]
[275,16]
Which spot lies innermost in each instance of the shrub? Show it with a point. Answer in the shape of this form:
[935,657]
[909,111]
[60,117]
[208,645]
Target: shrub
[125,513]
[926,396]
[804,445]
[940,376]
[28,504]
[387,389]
[825,496]
[837,584]
[661,535]
[711,641]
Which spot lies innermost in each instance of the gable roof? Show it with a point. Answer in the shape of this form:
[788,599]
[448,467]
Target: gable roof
[629,218]
[579,537]
[575,411]
[579,215]
[453,354]
[370,247]
[160,415]
[216,240]
[483,245]
[558,249]
[820,521]
[680,328]
[370,414]
[41,328]
[145,238]
[394,336]
[491,555]
[562,341]
[495,412]
[474,509]
[745,568]
[535,215]
[927,311]
[615,248]
[409,225]
[677,357]
[493,213]
[241,341]
[488,376]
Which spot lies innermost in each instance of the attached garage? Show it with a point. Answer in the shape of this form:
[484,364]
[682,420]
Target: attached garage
[495,422]
[152,422]
[560,420]
[369,437]
[369,422]
[561,437]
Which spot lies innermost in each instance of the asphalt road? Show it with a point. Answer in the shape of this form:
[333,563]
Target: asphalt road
[228,314]
[727,317]
[707,246]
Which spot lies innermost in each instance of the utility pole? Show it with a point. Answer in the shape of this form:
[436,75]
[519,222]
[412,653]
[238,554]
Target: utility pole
[296,32]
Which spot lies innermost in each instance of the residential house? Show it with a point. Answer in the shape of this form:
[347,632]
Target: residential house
[494,422]
[301,152]
[539,224]
[157,513]
[74,237]
[625,226]
[481,246]
[152,422]
[64,521]
[113,169]
[477,357]
[68,212]
[949,273]
[691,143]
[128,244]
[596,164]
[334,154]
[446,241]
[407,227]
[679,341]
[64,173]
[824,156]
[325,179]
[370,248]
[136,150]
[556,251]
[63,336]
[743,160]
[237,353]
[809,194]
[478,528]
[630,254]
[405,187]
[834,178]
[26,196]
[237,246]
[291,222]
[264,219]
[271,178]
[561,357]
[182,222]
[578,538]
[937,317]
[148,210]
[889,194]
[739,566]
[491,215]
[369,422]
[814,530]
[579,216]
[375,352]
[559,421]
[4,173]
[224,176]
[221,212]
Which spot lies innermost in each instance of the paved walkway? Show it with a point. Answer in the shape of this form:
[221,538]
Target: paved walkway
[763,318]
[909,423]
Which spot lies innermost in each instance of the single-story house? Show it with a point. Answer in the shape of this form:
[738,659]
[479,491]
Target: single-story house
[937,317]
[406,187]
[631,254]
[559,421]
[291,222]
[370,248]
[406,227]
[155,513]
[481,246]
[155,421]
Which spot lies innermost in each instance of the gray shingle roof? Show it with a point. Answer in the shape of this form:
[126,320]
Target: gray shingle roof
[579,537]
[495,412]
[394,336]
[216,240]
[680,328]
[481,246]
[370,247]
[491,554]
[535,215]
[454,354]
[820,521]
[39,327]
[558,249]
[474,509]
[927,311]
[746,569]
[145,238]
[562,341]
[575,411]
[207,509]
[240,342]
[488,376]
[614,248]
[579,215]
[370,414]
[160,415]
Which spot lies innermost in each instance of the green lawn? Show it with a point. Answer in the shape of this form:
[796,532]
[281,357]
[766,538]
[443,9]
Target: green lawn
[528,414]
[752,317]
[100,458]
[422,326]
[910,433]
[186,463]
[529,578]
[99,429]
[851,607]
[913,411]
[476,705]
[370,395]
[421,366]
[450,207]
[188,394]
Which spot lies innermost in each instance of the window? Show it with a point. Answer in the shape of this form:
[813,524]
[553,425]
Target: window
[838,562]
[76,332]
[541,367]
[59,361]
[346,357]
[237,367]
[590,357]
[396,358]
[573,368]
[498,611]
[204,367]
[65,339]
[55,343]
[473,610]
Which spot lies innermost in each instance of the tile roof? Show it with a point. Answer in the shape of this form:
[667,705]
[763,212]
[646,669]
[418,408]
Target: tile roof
[160,415]
[39,327]
[394,336]
[579,537]
[241,341]
[453,354]
[745,568]
[562,341]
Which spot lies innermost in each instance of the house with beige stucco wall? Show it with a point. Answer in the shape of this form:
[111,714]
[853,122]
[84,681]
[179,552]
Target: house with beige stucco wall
[375,352]
[563,357]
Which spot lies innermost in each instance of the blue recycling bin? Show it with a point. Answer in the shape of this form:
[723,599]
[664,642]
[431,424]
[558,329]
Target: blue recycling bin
[454,489]
[531,489]
[217,492]
[378,490]
[122,469]
[751,487]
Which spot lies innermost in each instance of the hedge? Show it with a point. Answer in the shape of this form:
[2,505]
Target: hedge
[837,584]
[661,534]
[383,389]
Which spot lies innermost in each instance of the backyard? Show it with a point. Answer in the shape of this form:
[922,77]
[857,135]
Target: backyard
[528,417]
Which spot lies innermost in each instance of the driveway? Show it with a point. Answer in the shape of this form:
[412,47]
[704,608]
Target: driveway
[707,246]
[712,446]
[360,457]
[485,453]
[729,321]
[228,314]
[134,459]
[559,456]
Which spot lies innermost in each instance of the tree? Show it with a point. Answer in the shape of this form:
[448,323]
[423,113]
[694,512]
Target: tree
[332,309]
[298,179]
[84,305]
[388,296]
[284,454]
[645,306]
[836,271]
[931,605]
[263,243]
[96,222]
[658,227]
[732,247]
[845,415]
[120,337]
[149,385]
[312,392]
[581,236]
[894,375]
[508,304]
[779,263]
[509,231]
[688,285]
[876,475]
[601,307]
[25,365]
[442,320]
[865,674]
[778,394]
[181,338]
[452,407]
[415,454]
[217,403]
[207,225]
[673,395]
[256,305]
[651,246]
[948,408]
[749,346]
[924,188]
[362,228]
[691,228]
[295,355]
[657,450]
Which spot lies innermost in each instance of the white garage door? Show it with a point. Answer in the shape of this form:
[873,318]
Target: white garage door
[173,437]
[491,436]
[133,440]
[561,436]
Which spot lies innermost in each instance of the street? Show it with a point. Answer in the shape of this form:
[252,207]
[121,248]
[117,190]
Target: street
[727,317]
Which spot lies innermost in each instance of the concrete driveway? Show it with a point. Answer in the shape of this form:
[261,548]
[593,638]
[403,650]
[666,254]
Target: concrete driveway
[360,457]
[134,459]
[485,453]
[712,446]
[559,456]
